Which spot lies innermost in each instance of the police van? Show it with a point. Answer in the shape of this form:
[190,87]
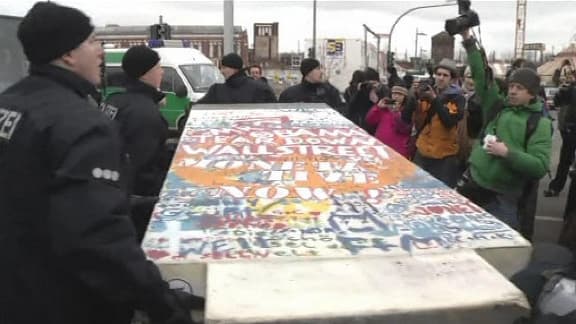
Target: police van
[187,76]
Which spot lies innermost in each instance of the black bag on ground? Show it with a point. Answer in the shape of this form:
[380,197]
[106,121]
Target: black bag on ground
[549,263]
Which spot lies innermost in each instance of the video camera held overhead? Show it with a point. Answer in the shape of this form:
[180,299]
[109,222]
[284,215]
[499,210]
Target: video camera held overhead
[468,18]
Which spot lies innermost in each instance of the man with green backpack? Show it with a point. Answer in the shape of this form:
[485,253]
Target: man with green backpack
[513,149]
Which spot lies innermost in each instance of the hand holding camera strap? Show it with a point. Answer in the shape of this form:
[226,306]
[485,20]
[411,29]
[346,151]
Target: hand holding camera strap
[495,113]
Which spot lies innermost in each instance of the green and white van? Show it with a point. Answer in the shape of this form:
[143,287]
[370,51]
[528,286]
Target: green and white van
[187,76]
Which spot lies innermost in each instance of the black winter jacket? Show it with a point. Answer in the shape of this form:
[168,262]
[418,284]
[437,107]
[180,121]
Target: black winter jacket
[565,100]
[238,89]
[68,249]
[313,93]
[144,132]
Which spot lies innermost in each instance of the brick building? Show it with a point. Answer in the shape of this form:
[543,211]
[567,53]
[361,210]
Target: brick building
[442,47]
[266,43]
[207,39]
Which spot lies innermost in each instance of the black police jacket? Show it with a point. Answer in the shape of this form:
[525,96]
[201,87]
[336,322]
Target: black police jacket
[238,89]
[314,93]
[144,132]
[68,248]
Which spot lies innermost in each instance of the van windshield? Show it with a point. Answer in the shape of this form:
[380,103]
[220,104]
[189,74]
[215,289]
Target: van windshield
[202,76]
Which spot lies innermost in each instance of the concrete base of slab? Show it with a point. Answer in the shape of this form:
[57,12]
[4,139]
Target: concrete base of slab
[190,277]
[458,287]
[507,260]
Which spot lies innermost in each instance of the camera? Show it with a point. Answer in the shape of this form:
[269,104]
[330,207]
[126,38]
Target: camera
[389,101]
[380,90]
[424,86]
[468,18]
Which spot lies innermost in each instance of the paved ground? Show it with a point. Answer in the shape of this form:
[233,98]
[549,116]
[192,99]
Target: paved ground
[550,210]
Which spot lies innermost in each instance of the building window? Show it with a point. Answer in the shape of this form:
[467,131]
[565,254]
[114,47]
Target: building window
[170,80]
[264,30]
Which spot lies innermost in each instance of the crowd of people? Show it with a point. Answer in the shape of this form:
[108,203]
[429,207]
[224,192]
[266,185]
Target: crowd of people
[78,185]
[488,138]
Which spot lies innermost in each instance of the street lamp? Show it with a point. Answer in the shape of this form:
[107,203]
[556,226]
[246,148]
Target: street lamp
[378,37]
[314,32]
[389,55]
[416,47]
[228,27]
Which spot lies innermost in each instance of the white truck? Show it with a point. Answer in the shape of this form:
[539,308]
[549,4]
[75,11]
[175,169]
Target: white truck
[341,57]
[13,64]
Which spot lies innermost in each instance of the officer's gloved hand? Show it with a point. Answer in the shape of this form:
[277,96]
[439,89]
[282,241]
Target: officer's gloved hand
[180,304]
[190,301]
[177,319]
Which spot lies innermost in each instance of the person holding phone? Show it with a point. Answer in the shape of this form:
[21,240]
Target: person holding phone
[386,117]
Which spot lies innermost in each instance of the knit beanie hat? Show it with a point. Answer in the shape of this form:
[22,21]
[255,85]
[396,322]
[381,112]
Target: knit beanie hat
[232,60]
[449,65]
[138,60]
[49,31]
[308,65]
[528,78]
[399,89]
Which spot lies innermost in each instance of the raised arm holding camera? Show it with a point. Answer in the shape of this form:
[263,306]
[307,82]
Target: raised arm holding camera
[515,142]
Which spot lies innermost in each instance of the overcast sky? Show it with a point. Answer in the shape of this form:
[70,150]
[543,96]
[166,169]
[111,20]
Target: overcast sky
[549,22]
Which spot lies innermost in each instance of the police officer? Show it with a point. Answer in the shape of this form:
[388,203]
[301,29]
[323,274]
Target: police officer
[142,126]
[238,87]
[312,88]
[144,131]
[69,253]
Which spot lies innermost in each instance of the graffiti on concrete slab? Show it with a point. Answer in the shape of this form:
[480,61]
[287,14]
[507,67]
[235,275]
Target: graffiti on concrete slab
[254,184]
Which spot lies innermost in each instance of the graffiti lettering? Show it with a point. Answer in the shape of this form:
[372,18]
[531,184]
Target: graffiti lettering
[254,184]
[356,244]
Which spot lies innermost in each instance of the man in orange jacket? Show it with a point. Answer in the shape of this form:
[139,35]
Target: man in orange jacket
[440,107]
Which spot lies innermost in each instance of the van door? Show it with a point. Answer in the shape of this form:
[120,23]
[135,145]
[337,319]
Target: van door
[175,107]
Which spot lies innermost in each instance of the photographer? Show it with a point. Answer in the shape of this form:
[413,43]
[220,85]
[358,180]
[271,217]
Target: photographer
[361,103]
[352,89]
[508,154]
[436,116]
[386,117]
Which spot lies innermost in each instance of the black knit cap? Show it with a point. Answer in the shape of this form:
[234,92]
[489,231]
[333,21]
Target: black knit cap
[528,78]
[138,60]
[49,31]
[308,65]
[233,60]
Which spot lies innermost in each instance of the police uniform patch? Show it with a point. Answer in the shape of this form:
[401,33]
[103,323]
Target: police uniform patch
[452,108]
[109,111]
[98,173]
[8,122]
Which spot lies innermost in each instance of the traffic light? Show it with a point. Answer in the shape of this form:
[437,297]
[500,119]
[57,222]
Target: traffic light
[311,52]
[390,59]
[160,31]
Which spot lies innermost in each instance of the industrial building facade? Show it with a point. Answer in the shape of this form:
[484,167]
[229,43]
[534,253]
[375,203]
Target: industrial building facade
[266,42]
[207,39]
